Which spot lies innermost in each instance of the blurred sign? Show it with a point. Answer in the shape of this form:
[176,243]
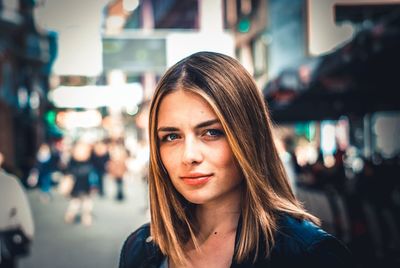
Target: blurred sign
[78,33]
[134,54]
[125,96]
[178,48]
[76,119]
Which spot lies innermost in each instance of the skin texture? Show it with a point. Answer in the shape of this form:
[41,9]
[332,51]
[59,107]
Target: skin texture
[193,152]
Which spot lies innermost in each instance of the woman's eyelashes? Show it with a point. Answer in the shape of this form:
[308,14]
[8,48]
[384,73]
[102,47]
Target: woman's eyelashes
[214,133]
[169,137]
[208,134]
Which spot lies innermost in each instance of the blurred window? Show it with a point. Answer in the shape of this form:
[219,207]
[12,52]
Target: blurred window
[174,14]
[386,129]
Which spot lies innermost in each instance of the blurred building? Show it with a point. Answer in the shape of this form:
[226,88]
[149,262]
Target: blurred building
[265,35]
[141,39]
[27,54]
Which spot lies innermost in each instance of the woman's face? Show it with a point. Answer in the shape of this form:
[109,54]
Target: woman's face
[195,150]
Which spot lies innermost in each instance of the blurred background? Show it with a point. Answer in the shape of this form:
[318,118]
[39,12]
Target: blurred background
[76,78]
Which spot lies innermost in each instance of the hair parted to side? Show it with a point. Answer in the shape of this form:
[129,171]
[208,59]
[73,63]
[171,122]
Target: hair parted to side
[233,95]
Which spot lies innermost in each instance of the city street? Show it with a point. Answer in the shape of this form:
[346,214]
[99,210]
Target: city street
[82,92]
[59,245]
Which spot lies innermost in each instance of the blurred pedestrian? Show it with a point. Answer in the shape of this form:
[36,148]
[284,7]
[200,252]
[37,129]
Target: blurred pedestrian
[81,169]
[16,221]
[100,157]
[47,162]
[286,152]
[219,195]
[117,167]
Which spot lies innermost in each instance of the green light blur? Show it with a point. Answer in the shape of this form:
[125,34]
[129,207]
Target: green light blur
[244,25]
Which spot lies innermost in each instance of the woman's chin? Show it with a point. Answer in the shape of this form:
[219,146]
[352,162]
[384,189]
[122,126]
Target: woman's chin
[197,199]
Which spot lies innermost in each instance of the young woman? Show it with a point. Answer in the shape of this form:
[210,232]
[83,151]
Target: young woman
[219,196]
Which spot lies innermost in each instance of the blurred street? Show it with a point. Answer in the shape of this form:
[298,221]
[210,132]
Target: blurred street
[76,83]
[60,245]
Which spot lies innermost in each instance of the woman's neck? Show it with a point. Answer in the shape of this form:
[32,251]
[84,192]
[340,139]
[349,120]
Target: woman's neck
[218,218]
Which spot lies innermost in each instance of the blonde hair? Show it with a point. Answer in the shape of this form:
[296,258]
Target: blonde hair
[233,95]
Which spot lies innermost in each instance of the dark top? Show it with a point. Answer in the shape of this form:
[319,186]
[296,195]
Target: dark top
[81,171]
[100,161]
[298,244]
[49,165]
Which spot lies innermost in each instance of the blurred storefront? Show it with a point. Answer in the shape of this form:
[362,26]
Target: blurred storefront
[356,80]
[27,54]
[349,92]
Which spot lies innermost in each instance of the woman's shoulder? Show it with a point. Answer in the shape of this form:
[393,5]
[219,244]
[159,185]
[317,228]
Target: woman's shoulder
[139,236]
[302,232]
[139,250]
[305,242]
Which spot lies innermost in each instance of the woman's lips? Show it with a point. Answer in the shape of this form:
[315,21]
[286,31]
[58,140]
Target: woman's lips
[196,180]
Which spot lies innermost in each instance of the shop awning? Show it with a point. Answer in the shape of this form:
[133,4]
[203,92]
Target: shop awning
[360,77]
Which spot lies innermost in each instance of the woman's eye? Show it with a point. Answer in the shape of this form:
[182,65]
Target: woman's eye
[214,133]
[170,137]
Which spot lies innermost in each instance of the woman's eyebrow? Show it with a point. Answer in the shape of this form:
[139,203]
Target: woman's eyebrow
[200,125]
[207,123]
[167,129]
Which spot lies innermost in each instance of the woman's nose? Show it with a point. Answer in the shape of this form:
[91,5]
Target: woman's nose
[191,152]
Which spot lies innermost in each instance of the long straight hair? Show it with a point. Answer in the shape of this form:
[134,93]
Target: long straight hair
[233,95]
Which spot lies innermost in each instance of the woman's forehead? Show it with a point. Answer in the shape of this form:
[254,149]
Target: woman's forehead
[184,106]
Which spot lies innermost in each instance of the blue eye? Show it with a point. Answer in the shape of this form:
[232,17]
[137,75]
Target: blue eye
[214,133]
[170,137]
